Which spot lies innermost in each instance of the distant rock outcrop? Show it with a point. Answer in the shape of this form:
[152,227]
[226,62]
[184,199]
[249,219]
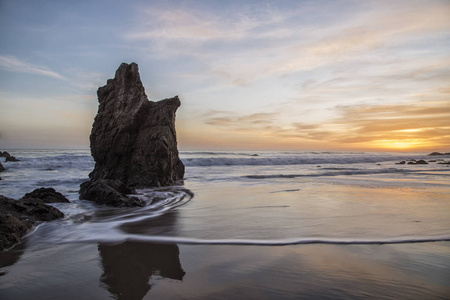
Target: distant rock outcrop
[18,216]
[417,162]
[438,153]
[8,156]
[133,140]
[4,154]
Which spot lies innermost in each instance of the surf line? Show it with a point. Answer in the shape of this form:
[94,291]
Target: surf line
[279,242]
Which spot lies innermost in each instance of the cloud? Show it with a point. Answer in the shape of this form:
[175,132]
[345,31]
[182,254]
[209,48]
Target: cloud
[261,41]
[14,64]
[415,124]
[365,32]
[86,79]
[203,25]
[241,122]
[419,125]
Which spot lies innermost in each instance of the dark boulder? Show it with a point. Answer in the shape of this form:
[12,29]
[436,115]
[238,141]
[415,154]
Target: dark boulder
[47,195]
[421,162]
[418,162]
[18,216]
[109,192]
[11,230]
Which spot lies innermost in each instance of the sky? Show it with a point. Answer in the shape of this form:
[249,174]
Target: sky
[251,75]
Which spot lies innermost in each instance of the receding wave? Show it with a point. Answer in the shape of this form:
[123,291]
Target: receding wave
[85,221]
[276,242]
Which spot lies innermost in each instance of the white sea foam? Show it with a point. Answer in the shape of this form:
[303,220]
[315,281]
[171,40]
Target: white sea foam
[289,158]
[251,242]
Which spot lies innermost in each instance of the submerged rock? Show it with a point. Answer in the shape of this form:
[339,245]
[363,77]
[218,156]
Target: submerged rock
[133,140]
[418,162]
[18,216]
[47,195]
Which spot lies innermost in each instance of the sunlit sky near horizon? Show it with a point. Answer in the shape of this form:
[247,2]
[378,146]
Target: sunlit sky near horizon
[251,75]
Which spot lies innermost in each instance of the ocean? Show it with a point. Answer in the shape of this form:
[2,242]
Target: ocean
[242,225]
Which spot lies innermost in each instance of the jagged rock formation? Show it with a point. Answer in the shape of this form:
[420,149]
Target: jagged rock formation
[18,216]
[133,140]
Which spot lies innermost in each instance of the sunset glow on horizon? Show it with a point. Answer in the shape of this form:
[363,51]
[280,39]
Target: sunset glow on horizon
[251,75]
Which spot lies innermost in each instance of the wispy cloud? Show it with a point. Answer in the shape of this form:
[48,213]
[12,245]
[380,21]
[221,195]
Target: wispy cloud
[239,122]
[12,63]
[86,79]
[264,41]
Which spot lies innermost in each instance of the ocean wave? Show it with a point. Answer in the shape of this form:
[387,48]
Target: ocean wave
[344,172]
[52,163]
[336,172]
[85,220]
[304,159]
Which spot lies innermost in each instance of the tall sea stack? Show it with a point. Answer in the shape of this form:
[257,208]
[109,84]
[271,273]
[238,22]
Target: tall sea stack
[133,140]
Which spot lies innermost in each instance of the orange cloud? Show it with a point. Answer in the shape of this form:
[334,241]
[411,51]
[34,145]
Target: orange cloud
[414,126]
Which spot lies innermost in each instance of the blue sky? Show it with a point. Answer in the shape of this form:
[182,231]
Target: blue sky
[287,75]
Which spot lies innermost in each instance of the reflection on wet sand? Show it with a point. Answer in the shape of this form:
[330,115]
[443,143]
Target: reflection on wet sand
[127,267]
[10,257]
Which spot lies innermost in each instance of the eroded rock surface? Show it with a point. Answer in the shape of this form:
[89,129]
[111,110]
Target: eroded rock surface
[133,140]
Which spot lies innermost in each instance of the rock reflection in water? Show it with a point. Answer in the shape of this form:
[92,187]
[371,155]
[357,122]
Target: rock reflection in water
[128,267]
[10,257]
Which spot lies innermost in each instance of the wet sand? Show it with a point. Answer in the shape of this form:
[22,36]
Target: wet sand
[134,270]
